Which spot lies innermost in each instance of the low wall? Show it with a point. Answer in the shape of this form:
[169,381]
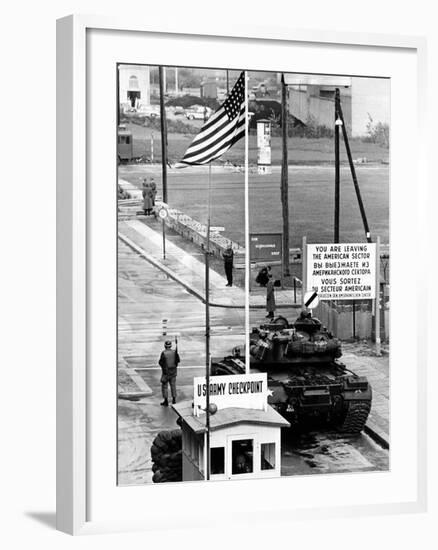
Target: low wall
[196,232]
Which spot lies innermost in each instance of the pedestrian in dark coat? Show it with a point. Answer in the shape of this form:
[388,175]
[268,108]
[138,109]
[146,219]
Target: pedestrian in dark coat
[169,360]
[153,186]
[147,200]
[270,298]
[263,276]
[228,256]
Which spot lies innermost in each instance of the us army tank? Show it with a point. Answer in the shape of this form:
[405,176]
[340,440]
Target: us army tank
[306,378]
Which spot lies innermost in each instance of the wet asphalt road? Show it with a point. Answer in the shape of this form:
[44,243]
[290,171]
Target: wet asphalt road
[144,295]
[147,297]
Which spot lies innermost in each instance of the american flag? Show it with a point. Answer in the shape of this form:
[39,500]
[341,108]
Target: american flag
[222,130]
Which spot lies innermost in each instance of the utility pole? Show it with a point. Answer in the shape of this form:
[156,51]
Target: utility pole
[338,122]
[176,80]
[163,121]
[284,179]
[353,175]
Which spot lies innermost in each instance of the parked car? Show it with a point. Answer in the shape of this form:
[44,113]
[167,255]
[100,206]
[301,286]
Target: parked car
[149,111]
[198,112]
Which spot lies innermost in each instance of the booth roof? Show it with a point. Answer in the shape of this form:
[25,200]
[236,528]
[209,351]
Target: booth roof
[227,417]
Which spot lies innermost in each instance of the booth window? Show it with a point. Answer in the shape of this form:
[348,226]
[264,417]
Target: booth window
[242,456]
[267,452]
[217,460]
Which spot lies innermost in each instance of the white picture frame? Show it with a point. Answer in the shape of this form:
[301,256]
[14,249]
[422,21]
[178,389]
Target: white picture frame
[77,211]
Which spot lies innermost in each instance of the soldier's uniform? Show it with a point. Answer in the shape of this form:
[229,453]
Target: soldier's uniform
[168,362]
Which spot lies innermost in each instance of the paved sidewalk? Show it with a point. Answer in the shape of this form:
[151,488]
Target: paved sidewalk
[140,234]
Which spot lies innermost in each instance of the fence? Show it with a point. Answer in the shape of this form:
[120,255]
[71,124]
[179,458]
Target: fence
[354,319]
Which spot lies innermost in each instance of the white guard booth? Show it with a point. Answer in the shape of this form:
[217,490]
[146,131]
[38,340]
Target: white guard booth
[245,432]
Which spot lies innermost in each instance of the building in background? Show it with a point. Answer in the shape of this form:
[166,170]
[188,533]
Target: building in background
[367,99]
[134,87]
[209,89]
[315,104]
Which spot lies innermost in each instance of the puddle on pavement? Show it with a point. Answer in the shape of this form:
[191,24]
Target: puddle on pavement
[328,453]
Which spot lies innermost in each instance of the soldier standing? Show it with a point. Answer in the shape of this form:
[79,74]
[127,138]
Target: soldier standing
[228,256]
[168,362]
[148,195]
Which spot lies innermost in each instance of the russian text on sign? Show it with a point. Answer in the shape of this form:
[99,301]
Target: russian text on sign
[342,271]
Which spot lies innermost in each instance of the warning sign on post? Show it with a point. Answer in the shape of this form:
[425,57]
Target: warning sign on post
[342,271]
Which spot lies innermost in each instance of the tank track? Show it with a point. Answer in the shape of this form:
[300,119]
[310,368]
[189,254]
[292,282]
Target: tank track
[357,414]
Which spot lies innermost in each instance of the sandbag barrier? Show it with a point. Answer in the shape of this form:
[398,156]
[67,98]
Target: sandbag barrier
[166,454]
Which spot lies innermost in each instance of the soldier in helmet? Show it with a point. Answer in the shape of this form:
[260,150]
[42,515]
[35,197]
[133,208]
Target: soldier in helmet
[168,362]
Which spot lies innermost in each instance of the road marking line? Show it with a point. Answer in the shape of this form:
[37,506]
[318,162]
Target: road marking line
[138,380]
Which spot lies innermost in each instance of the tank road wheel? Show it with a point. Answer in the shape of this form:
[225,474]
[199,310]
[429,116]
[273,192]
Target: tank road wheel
[357,414]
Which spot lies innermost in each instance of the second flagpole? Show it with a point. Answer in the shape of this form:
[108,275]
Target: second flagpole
[207,332]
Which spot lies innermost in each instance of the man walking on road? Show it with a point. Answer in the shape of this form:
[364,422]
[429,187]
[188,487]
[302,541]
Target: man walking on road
[228,256]
[168,362]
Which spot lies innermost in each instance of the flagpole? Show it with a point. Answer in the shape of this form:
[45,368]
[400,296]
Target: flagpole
[207,331]
[229,113]
[247,258]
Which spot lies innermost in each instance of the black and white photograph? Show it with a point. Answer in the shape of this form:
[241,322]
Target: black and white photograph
[253,286]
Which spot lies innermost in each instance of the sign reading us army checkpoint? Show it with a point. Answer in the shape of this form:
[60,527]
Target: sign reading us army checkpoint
[342,271]
[244,391]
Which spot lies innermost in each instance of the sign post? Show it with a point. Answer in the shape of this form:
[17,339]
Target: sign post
[304,267]
[162,213]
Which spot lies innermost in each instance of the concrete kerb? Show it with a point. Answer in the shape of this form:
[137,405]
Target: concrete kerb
[141,252]
[376,435]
